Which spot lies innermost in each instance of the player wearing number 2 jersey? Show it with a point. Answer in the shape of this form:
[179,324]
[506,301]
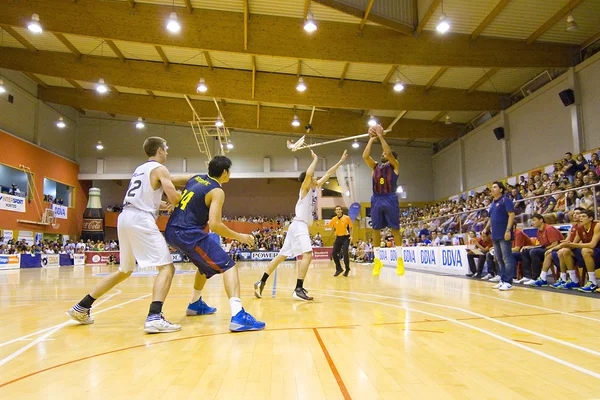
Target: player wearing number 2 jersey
[140,239]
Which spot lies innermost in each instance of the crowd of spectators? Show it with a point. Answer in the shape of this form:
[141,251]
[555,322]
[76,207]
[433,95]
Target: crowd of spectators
[537,193]
[55,247]
[48,198]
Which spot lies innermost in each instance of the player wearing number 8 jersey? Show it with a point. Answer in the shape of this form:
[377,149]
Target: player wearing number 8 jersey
[385,210]
[140,239]
[187,230]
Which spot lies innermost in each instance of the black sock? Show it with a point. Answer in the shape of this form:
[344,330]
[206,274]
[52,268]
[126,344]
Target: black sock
[264,278]
[87,301]
[155,307]
[299,283]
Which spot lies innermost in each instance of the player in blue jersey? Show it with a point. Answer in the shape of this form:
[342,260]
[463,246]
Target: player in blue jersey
[200,206]
[385,209]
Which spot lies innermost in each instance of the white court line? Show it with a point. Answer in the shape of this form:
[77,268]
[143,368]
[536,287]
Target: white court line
[52,327]
[528,305]
[509,341]
[57,328]
[541,335]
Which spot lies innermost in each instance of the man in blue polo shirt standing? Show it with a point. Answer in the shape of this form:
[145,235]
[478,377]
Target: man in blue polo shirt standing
[502,216]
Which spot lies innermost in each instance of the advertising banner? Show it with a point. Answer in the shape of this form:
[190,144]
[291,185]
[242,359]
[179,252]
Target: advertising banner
[10,261]
[320,253]
[79,259]
[260,255]
[100,257]
[444,259]
[59,211]
[12,203]
[7,235]
[50,260]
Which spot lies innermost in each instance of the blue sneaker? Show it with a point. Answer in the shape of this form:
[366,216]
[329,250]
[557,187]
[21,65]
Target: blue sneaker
[539,282]
[199,308]
[243,321]
[558,283]
[589,287]
[569,284]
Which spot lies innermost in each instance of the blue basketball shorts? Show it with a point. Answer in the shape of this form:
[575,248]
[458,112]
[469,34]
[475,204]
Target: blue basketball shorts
[206,254]
[385,212]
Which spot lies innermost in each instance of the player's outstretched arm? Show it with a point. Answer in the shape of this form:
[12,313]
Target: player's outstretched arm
[332,170]
[162,173]
[387,150]
[367,152]
[217,198]
[309,173]
[181,180]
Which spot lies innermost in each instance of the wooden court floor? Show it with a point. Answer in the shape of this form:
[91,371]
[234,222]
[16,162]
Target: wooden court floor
[420,336]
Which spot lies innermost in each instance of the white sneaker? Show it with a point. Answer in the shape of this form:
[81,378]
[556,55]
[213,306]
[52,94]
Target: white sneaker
[515,281]
[505,286]
[495,279]
[82,317]
[523,280]
[497,285]
[160,325]
[486,277]
[529,282]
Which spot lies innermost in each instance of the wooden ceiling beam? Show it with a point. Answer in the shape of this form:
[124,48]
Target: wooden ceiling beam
[306,8]
[553,20]
[36,79]
[438,116]
[390,74]
[151,93]
[246,18]
[489,18]
[366,16]
[590,40]
[162,55]
[236,84]
[358,13]
[131,3]
[67,43]
[428,14]
[338,123]
[482,80]
[188,4]
[223,31]
[18,37]
[74,83]
[115,49]
[435,78]
[344,71]
[79,110]
[113,89]
[253,75]
[208,60]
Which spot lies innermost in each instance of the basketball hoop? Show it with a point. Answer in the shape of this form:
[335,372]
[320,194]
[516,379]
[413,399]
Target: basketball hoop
[55,225]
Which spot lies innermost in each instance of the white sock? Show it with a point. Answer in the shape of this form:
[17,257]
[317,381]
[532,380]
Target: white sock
[196,294]
[543,275]
[573,275]
[376,253]
[592,276]
[236,305]
[563,276]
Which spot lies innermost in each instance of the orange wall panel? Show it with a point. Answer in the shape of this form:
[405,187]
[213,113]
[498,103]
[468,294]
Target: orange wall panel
[43,164]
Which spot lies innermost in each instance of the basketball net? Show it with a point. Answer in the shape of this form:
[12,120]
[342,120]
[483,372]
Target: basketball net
[346,176]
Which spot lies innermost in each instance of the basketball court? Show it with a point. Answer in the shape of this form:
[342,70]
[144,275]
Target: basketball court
[420,336]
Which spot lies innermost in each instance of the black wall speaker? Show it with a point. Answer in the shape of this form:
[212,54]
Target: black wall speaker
[499,132]
[567,97]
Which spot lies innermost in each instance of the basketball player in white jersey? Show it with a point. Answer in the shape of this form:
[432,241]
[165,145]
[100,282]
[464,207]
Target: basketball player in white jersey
[140,239]
[297,242]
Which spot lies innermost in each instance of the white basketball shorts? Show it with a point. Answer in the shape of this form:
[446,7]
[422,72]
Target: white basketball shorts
[297,240]
[140,239]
